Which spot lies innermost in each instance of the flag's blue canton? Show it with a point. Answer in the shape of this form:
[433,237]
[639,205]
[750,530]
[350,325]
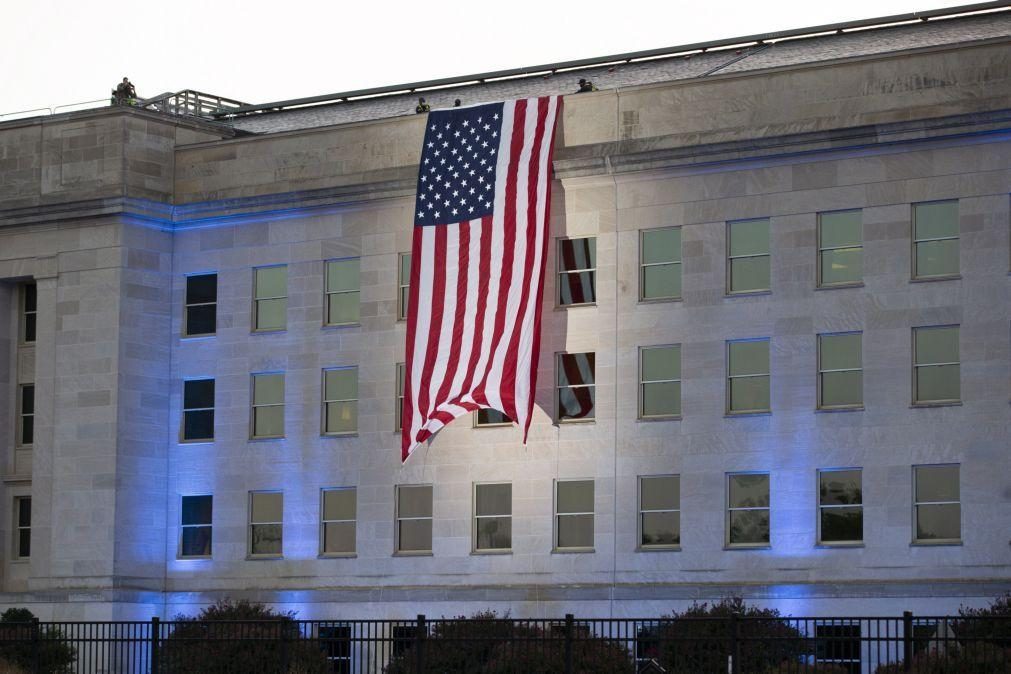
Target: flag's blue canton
[456,181]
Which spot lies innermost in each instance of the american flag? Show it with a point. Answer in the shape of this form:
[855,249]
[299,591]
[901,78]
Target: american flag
[477,264]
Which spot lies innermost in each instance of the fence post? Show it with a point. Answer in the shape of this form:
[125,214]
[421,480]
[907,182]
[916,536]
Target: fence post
[155,643]
[907,640]
[36,646]
[734,656]
[419,644]
[570,629]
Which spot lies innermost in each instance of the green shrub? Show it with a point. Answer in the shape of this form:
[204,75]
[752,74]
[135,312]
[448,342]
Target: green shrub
[991,624]
[239,636]
[17,649]
[698,640]
[973,659]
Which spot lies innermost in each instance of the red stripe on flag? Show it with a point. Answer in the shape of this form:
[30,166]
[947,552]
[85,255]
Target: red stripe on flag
[453,363]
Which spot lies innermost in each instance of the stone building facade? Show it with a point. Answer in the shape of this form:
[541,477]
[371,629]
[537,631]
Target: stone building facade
[107,216]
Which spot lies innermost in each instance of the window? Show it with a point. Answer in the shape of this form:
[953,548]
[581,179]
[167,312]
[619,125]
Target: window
[26,416]
[840,507]
[575,388]
[268,406]
[659,511]
[487,417]
[340,401]
[335,640]
[29,312]
[748,510]
[840,248]
[198,410]
[403,285]
[577,271]
[748,256]
[935,239]
[343,291]
[660,264]
[195,539]
[22,527]
[660,382]
[840,371]
[838,642]
[936,365]
[937,513]
[398,412]
[201,315]
[493,517]
[270,292]
[748,376]
[414,519]
[574,515]
[338,511]
[266,517]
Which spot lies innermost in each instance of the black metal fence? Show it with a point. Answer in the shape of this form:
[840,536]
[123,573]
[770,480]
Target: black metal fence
[734,645]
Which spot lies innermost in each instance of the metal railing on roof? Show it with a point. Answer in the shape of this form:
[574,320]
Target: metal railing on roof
[551,68]
[190,102]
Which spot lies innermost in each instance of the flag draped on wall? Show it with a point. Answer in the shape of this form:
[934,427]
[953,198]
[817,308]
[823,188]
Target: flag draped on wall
[477,264]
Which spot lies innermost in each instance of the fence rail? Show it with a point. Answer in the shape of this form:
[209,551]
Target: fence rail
[731,645]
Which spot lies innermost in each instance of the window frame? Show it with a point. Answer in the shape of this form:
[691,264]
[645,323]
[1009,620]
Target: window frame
[399,380]
[250,524]
[820,383]
[730,412]
[324,402]
[257,300]
[819,507]
[187,305]
[327,292]
[941,402]
[182,417]
[17,528]
[639,545]
[559,271]
[253,406]
[555,548]
[323,522]
[819,250]
[642,266]
[397,552]
[24,313]
[183,527]
[916,504]
[558,387]
[21,416]
[730,258]
[728,543]
[476,414]
[642,385]
[475,517]
[403,286]
[914,272]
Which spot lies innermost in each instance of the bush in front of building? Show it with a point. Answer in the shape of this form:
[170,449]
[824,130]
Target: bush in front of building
[19,649]
[699,639]
[239,636]
[488,644]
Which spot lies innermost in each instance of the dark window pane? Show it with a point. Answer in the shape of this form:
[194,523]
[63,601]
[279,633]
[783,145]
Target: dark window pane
[339,504]
[31,297]
[486,417]
[196,542]
[840,487]
[749,527]
[201,289]
[661,362]
[661,245]
[934,522]
[267,507]
[576,403]
[271,314]
[202,320]
[342,417]
[24,512]
[27,400]
[749,357]
[936,219]
[839,229]
[843,265]
[415,535]
[749,491]
[749,237]
[493,499]
[661,399]
[343,275]
[271,281]
[30,328]
[661,281]
[343,308]
[27,430]
[842,524]
[575,531]
[938,382]
[266,539]
[576,369]
[936,483]
[414,501]
[749,273]
[574,254]
[198,425]
[575,496]
[840,352]
[661,528]
[494,533]
[936,345]
[749,394]
[197,509]
[268,422]
[660,493]
[198,393]
[937,258]
[24,543]
[577,288]
[338,538]
[842,388]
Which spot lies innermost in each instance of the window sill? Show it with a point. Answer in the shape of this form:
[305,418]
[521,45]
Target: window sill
[575,422]
[658,548]
[193,558]
[21,560]
[671,417]
[940,403]
[742,546]
[503,551]
[349,434]
[564,307]
[414,553]
[258,558]
[931,279]
[934,544]
[832,546]
[832,410]
[272,438]
[272,331]
[337,555]
[206,335]
[660,300]
[493,425]
[747,293]
[339,326]
[572,551]
[756,413]
[201,441]
[840,286]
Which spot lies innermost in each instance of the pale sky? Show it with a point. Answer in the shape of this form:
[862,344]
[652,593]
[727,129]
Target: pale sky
[58,52]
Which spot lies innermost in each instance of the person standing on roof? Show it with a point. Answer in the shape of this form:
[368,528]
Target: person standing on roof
[422,106]
[124,93]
